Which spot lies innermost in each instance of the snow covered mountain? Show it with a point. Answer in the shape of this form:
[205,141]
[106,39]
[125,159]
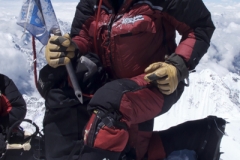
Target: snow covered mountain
[214,89]
[209,94]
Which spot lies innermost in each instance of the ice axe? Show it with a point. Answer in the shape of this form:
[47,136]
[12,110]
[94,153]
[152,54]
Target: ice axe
[91,67]
[71,73]
[73,79]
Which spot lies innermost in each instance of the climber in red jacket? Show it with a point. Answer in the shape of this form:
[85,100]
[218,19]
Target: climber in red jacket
[135,41]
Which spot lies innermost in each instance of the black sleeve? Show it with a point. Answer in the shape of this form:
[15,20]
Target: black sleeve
[178,62]
[192,13]
[84,12]
[84,15]
[18,104]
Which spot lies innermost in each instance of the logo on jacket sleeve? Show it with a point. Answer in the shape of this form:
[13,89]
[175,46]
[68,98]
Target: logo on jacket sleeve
[132,20]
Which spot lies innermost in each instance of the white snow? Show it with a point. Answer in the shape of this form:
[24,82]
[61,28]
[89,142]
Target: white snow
[209,94]
[214,88]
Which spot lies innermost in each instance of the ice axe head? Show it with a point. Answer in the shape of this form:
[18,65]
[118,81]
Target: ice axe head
[91,67]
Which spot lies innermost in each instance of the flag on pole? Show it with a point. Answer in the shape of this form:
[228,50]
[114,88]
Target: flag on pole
[38,18]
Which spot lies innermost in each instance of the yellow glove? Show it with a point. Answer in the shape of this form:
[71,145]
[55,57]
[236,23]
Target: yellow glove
[164,75]
[59,50]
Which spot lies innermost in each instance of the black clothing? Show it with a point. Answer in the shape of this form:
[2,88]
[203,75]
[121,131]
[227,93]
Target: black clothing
[18,105]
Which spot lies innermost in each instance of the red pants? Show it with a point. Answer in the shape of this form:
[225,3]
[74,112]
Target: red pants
[137,106]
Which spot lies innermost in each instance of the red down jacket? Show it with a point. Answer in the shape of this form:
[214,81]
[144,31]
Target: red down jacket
[142,32]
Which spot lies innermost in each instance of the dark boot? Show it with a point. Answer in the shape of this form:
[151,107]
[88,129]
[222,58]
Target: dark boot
[203,136]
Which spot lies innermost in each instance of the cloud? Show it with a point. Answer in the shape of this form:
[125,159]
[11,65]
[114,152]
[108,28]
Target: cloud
[13,62]
[224,51]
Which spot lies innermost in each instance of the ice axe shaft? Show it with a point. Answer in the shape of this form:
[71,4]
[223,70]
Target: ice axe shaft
[73,79]
[71,74]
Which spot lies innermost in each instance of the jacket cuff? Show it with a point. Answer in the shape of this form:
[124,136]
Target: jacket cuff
[180,64]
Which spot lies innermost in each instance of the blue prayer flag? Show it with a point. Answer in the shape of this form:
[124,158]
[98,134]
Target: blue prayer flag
[38,18]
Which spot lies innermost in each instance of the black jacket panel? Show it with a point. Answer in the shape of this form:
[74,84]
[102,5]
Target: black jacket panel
[196,15]
[9,89]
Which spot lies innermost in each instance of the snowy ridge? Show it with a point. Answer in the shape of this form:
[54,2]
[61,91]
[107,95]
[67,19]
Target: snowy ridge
[208,94]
